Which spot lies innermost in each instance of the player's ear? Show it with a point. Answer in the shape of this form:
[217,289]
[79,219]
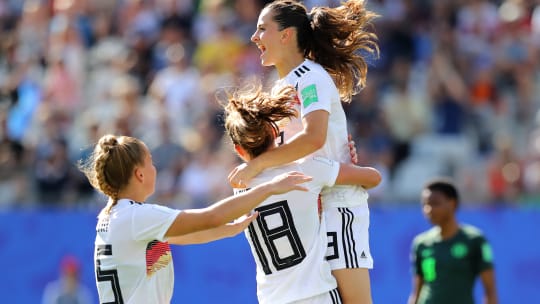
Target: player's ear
[454,204]
[138,174]
[286,34]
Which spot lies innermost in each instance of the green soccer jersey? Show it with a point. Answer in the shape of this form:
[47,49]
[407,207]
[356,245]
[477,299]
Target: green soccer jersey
[450,267]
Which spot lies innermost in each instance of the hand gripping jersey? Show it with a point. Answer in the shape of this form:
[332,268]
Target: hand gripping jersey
[288,239]
[133,263]
[316,91]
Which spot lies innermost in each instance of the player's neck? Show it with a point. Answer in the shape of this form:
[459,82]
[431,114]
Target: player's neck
[133,192]
[288,64]
[449,229]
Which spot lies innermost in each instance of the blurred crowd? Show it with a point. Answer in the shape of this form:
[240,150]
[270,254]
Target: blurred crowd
[455,91]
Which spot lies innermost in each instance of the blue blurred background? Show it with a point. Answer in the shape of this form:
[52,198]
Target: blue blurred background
[32,245]
[454,92]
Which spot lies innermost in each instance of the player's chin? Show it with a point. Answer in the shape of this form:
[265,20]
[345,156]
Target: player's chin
[434,220]
[266,62]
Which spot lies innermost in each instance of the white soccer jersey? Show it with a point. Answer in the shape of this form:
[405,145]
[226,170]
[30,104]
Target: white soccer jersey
[133,263]
[288,239]
[316,91]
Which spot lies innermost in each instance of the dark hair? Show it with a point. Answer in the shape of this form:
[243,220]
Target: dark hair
[444,186]
[111,164]
[252,116]
[332,37]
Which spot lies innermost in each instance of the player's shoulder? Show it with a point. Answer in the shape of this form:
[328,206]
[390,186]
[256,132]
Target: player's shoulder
[315,162]
[316,159]
[124,203]
[309,71]
[302,71]
[470,231]
[320,168]
[428,236]
[269,173]
[146,209]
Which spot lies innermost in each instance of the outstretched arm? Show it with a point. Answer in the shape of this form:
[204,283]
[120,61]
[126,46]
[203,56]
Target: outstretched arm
[209,235]
[228,209]
[307,141]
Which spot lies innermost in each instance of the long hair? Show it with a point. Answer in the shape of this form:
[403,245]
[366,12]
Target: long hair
[334,38]
[252,116]
[111,164]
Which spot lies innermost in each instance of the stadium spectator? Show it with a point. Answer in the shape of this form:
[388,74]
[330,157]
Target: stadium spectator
[68,288]
[449,46]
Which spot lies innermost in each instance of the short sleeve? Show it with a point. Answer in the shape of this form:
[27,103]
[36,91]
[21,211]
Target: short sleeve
[414,259]
[322,169]
[151,222]
[314,94]
[483,255]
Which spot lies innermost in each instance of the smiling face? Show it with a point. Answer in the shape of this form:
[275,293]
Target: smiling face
[267,37]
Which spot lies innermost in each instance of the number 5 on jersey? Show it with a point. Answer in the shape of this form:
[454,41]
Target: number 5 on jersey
[108,275]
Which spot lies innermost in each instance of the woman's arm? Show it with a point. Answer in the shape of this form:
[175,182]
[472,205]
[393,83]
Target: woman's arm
[209,235]
[228,209]
[307,141]
[490,291]
[415,292]
[350,174]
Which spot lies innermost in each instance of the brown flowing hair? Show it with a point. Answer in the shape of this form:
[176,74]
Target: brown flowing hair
[111,164]
[252,116]
[334,38]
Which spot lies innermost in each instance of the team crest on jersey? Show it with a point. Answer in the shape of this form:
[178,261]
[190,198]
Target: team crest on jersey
[427,252]
[459,250]
[158,256]
[309,95]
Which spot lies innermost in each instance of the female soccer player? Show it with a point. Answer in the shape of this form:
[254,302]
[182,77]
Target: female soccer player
[447,259]
[288,240]
[319,53]
[133,260]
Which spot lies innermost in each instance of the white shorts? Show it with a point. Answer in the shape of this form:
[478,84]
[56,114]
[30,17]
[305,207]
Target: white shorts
[347,230]
[331,297]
